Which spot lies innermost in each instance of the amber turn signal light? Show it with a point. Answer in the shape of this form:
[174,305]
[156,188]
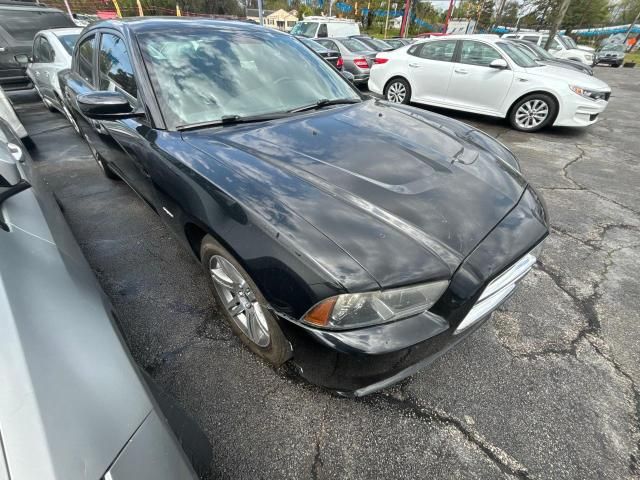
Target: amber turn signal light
[321,313]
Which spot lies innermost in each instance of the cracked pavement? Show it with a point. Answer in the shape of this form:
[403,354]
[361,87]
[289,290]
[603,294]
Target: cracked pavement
[549,388]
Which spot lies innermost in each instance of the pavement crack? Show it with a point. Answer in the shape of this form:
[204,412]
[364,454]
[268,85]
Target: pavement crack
[406,404]
[317,458]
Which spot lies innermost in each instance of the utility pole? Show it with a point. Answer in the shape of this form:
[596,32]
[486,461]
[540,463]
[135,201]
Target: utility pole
[626,35]
[557,22]
[386,24]
[404,27]
[452,3]
[330,5]
[260,12]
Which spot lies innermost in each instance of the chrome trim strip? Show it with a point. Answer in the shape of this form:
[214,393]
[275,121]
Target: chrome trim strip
[498,290]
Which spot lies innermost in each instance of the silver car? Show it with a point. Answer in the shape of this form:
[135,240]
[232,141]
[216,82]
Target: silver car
[357,57]
[8,114]
[52,52]
[72,402]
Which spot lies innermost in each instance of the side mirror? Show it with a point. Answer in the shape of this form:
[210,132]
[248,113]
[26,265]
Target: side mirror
[8,190]
[348,75]
[23,59]
[499,63]
[105,106]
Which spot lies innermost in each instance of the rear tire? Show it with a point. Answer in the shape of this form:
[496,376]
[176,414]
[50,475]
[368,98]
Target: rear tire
[533,112]
[242,304]
[398,90]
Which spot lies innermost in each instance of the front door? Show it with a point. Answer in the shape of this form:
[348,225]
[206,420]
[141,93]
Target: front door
[474,84]
[123,142]
[429,69]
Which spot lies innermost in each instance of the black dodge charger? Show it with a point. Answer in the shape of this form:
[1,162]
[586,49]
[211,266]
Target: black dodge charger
[357,238]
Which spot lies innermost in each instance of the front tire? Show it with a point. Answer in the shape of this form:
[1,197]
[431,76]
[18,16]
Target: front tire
[533,112]
[242,304]
[398,91]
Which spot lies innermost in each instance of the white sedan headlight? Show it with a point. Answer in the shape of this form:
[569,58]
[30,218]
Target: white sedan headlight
[354,310]
[590,94]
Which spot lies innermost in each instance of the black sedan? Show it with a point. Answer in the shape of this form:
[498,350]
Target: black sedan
[331,56]
[358,238]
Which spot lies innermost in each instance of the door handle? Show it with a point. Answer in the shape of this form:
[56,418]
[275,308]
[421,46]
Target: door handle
[414,65]
[461,71]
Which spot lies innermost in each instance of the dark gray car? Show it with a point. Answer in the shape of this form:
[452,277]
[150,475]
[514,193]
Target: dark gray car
[540,55]
[72,402]
[357,57]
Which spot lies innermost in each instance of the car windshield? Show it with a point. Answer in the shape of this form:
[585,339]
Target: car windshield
[68,41]
[306,29]
[614,48]
[23,25]
[354,45]
[539,51]
[313,45]
[570,42]
[378,45]
[518,56]
[203,74]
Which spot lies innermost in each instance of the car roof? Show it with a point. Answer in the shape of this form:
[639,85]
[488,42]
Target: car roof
[28,8]
[138,25]
[487,37]
[62,31]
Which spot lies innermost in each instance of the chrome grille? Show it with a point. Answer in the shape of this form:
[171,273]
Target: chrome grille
[499,289]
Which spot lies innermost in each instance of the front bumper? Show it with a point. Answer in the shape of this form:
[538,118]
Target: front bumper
[577,111]
[360,361]
[609,61]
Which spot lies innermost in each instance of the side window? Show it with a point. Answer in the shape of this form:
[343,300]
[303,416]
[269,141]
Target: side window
[84,63]
[476,53]
[36,50]
[322,31]
[441,51]
[330,45]
[414,50]
[46,51]
[114,65]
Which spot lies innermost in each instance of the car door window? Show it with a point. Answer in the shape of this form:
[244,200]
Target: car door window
[114,66]
[441,51]
[36,51]
[322,31]
[84,64]
[476,53]
[555,45]
[46,51]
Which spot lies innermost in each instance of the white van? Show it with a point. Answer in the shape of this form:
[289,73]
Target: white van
[322,27]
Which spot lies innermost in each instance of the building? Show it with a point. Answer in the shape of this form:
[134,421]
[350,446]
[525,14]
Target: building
[252,14]
[281,20]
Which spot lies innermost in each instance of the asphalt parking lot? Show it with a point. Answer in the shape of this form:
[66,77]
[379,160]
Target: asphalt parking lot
[549,388]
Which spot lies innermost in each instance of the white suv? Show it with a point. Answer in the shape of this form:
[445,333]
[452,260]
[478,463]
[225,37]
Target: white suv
[490,76]
[559,47]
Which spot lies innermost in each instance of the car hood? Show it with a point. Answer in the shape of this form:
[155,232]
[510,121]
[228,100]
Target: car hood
[390,183]
[572,77]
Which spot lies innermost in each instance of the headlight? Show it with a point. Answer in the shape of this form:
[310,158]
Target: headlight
[588,57]
[583,92]
[353,310]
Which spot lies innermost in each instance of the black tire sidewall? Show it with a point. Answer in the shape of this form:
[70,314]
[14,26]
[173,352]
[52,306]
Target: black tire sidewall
[407,87]
[553,111]
[278,351]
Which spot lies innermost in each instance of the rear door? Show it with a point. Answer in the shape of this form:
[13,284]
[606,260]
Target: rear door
[430,66]
[474,84]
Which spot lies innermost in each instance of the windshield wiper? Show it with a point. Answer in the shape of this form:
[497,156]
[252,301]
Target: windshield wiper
[233,119]
[325,102]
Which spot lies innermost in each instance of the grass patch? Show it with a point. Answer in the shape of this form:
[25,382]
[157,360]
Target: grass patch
[632,57]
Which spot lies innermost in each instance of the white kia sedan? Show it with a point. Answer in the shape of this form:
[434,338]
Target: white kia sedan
[489,76]
[52,51]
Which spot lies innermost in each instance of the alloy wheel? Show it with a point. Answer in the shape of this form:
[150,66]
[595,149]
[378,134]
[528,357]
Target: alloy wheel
[396,92]
[239,300]
[531,114]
